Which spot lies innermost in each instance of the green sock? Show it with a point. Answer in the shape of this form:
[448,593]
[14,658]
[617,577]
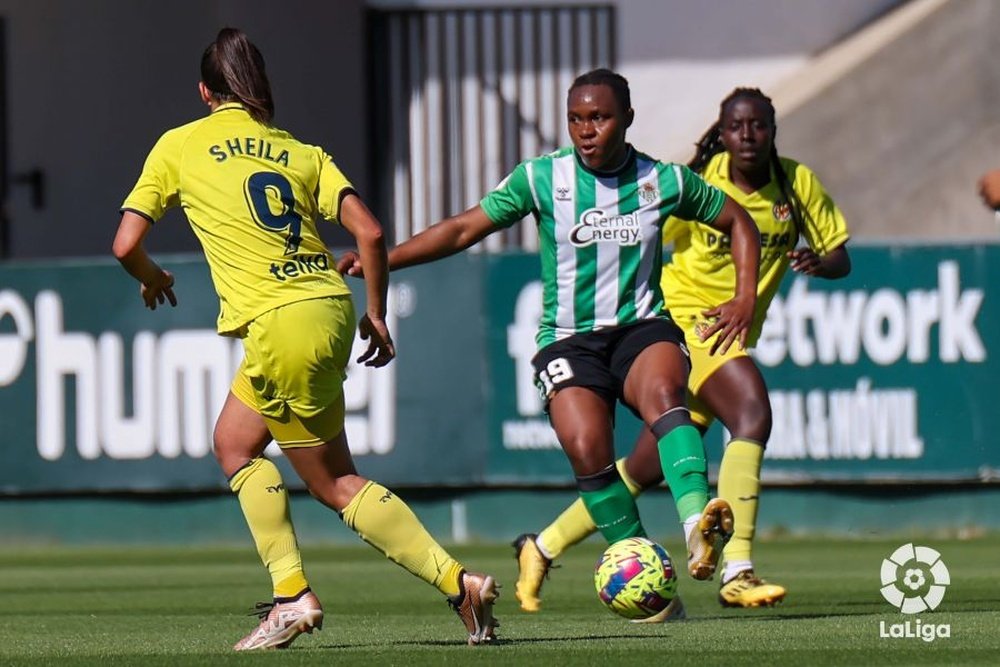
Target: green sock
[611,505]
[682,457]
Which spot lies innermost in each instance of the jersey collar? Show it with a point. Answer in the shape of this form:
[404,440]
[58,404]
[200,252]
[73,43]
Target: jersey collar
[228,105]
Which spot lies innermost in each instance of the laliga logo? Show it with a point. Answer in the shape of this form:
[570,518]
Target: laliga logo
[914,580]
[919,562]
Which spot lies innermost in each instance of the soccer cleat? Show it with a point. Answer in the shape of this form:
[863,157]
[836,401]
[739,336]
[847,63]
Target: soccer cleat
[705,543]
[746,589]
[475,606]
[281,622]
[674,611]
[532,568]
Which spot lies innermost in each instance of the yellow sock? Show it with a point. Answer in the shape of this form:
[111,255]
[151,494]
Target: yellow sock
[739,484]
[574,524]
[264,501]
[384,521]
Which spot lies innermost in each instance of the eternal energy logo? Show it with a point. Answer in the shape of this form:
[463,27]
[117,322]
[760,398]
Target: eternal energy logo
[914,579]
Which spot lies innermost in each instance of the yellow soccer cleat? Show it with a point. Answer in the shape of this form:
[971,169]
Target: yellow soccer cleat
[715,527]
[532,568]
[746,589]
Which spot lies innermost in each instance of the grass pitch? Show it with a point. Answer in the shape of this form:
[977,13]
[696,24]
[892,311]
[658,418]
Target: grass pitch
[187,607]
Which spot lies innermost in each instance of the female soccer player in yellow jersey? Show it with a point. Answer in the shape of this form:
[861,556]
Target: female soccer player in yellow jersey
[737,154]
[252,194]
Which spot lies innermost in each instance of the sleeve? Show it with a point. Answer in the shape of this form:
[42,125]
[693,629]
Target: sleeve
[158,187]
[825,227]
[698,199]
[511,200]
[331,188]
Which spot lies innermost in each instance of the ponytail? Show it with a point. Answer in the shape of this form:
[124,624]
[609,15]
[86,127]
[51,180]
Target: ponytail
[233,69]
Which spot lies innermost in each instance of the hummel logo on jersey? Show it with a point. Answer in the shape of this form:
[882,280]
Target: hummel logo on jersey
[277,488]
[596,226]
[562,193]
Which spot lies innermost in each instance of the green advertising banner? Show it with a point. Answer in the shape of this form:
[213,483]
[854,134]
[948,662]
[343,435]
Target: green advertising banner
[886,375]
[98,393]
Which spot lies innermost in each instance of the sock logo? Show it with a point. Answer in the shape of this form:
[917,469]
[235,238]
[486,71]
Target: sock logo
[277,488]
[748,498]
[386,497]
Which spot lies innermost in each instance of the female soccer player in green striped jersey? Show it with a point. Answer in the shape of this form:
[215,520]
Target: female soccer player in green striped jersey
[737,154]
[252,193]
[605,334]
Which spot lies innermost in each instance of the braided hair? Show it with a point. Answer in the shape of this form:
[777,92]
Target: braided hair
[710,145]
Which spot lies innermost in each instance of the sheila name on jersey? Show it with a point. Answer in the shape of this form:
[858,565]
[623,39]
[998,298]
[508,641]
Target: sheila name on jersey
[247,146]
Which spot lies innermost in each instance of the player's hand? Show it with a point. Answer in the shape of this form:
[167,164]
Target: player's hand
[989,189]
[731,321]
[159,290]
[349,264]
[381,349]
[804,260]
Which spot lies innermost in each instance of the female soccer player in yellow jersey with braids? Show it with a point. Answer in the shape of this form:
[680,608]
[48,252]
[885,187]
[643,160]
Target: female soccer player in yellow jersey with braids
[252,194]
[786,200]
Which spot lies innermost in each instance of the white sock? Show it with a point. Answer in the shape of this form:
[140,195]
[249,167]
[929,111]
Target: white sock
[541,548]
[732,568]
[690,524]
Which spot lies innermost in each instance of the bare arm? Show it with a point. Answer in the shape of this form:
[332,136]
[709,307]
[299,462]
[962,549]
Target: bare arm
[157,284]
[448,237]
[359,221]
[734,318]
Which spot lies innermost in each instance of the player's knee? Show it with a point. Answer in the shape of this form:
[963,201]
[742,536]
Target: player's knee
[754,421]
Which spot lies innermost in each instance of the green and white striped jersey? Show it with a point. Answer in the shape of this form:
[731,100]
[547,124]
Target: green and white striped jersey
[599,234]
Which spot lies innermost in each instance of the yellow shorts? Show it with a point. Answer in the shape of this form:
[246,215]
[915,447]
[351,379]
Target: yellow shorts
[703,364]
[294,368]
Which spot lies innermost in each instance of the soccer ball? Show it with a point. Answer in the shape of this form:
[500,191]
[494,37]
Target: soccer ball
[635,578]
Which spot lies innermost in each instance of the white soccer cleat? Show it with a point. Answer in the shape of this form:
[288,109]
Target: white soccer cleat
[281,622]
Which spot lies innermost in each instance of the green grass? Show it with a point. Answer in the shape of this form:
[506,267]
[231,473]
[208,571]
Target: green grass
[187,606]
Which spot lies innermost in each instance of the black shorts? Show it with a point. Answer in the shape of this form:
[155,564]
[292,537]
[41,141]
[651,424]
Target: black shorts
[600,360]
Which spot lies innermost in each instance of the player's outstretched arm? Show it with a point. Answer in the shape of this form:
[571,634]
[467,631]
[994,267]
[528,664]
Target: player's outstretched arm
[448,237]
[157,284]
[734,317]
[361,223]
[451,235]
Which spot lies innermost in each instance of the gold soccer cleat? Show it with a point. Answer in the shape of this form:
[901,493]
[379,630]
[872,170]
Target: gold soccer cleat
[532,568]
[746,589]
[715,527]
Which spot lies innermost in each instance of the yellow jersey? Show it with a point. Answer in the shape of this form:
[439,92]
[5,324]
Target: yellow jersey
[252,194]
[700,273]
